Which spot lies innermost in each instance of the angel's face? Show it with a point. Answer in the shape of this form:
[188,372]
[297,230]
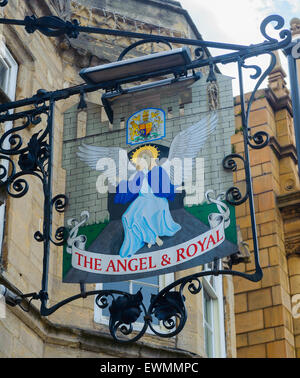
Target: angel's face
[144,161]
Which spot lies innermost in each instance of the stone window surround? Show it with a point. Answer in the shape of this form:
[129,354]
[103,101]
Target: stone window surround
[10,92]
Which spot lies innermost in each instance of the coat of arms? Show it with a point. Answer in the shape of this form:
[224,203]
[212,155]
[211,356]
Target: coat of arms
[146,125]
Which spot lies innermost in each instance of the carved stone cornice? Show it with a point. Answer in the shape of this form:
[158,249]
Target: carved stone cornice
[283,151]
[292,246]
[289,206]
[279,103]
[289,203]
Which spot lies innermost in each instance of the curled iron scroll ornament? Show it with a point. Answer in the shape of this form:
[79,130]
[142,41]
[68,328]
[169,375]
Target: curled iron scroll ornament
[257,141]
[167,307]
[142,42]
[284,34]
[59,203]
[124,310]
[13,139]
[261,76]
[33,160]
[233,194]
[261,139]
[60,236]
[3,3]
[200,53]
[7,171]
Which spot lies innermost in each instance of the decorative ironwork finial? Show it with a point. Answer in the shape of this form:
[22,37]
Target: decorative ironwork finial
[51,26]
[82,103]
[285,34]
[211,76]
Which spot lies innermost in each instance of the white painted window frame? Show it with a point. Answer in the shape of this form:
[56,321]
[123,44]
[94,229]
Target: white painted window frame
[12,65]
[213,286]
[10,91]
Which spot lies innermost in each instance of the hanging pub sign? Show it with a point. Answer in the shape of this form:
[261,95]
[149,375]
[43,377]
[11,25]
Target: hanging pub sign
[148,198]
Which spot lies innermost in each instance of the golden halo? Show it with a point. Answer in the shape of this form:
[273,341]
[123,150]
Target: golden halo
[153,150]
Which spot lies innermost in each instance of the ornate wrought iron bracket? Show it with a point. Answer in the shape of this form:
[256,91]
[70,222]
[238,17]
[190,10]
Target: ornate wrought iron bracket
[35,158]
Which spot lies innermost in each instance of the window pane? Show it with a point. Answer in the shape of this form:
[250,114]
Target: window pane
[151,280]
[122,286]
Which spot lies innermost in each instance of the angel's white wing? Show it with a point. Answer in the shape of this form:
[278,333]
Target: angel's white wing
[113,160]
[188,143]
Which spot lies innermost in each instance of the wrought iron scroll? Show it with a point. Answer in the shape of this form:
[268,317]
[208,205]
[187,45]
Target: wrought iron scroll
[138,43]
[257,141]
[31,157]
[18,160]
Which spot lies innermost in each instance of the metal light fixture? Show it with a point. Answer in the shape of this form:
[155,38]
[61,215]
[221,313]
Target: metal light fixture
[108,97]
[124,71]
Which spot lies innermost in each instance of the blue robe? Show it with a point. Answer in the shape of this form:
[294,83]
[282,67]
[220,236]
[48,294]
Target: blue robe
[149,215]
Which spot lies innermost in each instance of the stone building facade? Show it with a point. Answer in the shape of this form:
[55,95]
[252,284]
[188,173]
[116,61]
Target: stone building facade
[267,323]
[53,63]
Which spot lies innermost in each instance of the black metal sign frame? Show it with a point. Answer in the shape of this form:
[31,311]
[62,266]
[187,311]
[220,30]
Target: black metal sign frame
[36,158]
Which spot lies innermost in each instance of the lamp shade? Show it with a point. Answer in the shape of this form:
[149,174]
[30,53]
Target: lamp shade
[137,67]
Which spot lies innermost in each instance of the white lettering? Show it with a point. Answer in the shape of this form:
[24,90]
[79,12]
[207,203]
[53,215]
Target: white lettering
[113,368]
[109,167]
[171,367]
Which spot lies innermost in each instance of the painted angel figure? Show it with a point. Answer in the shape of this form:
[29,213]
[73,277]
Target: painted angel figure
[151,186]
